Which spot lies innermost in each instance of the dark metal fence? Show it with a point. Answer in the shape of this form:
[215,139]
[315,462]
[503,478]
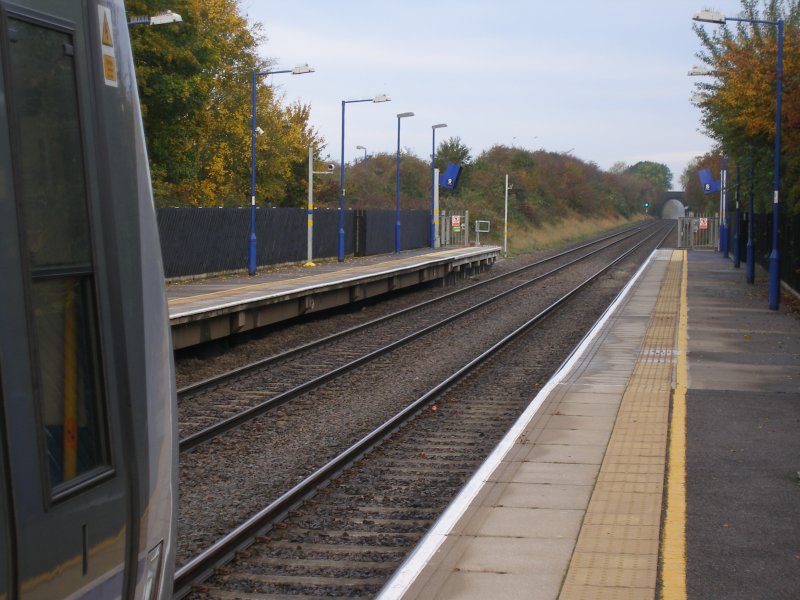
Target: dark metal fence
[788,243]
[197,241]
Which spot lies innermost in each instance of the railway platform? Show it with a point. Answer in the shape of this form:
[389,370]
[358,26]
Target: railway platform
[213,308]
[661,461]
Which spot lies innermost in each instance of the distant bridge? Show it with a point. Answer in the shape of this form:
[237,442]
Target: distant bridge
[672,205]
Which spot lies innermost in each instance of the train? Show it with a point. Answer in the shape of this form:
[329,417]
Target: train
[88,439]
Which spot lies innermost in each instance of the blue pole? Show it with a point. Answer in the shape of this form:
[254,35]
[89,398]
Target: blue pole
[749,252]
[723,216]
[774,295]
[736,257]
[251,260]
[341,194]
[382,98]
[433,188]
[397,194]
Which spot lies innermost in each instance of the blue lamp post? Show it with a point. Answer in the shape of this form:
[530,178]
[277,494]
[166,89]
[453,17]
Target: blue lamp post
[376,99]
[736,256]
[723,207]
[750,269]
[397,185]
[301,70]
[708,16]
[434,183]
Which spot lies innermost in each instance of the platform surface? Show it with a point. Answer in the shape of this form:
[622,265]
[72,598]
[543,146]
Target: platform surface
[192,297]
[660,461]
[216,308]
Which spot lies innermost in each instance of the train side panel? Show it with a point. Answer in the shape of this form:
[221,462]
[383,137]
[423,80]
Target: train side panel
[87,397]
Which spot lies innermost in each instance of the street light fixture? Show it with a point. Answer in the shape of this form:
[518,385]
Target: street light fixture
[700,72]
[376,99]
[299,70]
[434,183]
[164,18]
[397,185]
[709,16]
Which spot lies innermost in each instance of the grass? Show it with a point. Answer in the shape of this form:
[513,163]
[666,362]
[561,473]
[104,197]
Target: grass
[523,239]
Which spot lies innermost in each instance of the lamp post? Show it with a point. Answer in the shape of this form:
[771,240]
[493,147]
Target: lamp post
[736,256]
[750,269]
[505,217]
[300,70]
[708,16]
[723,207]
[365,158]
[434,183]
[397,185]
[376,99]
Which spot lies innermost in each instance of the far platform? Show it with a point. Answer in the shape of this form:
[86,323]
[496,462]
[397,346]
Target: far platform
[214,308]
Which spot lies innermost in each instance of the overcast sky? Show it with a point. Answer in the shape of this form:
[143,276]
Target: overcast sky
[604,80]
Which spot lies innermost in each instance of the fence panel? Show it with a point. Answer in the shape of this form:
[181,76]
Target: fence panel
[698,232]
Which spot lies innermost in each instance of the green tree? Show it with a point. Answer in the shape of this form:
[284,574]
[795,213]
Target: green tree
[618,168]
[657,174]
[452,150]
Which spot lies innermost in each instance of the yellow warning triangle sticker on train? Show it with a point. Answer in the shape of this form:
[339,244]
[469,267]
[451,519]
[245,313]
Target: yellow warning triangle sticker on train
[109,55]
[107,41]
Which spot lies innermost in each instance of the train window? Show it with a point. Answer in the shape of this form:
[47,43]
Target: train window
[51,193]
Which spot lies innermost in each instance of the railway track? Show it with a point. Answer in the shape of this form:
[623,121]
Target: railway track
[315,550]
[258,387]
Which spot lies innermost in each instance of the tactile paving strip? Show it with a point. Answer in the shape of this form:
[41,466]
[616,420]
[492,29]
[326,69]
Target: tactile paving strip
[616,555]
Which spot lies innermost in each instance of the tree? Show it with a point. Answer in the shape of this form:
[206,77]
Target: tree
[452,151]
[738,104]
[657,174]
[194,86]
[618,168]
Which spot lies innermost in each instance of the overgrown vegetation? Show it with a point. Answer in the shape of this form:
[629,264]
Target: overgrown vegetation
[546,189]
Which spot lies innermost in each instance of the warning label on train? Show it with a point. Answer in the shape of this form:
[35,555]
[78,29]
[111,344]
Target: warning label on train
[107,46]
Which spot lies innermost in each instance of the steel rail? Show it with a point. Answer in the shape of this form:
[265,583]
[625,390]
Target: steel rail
[223,378]
[224,550]
[200,437]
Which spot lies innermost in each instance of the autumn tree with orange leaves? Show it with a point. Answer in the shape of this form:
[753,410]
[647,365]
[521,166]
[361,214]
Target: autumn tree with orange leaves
[738,100]
[194,82]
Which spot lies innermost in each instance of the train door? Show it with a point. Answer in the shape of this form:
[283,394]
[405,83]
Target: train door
[62,408]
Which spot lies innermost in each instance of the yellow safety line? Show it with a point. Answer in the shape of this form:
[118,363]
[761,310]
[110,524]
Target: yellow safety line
[616,553]
[673,549]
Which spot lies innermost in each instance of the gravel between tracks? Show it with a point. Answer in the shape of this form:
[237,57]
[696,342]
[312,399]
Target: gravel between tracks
[222,463]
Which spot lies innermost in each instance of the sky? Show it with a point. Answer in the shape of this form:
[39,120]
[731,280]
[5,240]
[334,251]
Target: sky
[604,80]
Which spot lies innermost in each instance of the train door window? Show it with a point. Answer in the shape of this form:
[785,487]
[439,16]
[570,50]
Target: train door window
[51,192]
